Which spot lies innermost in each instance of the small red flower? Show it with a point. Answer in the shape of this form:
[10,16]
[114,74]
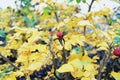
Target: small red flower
[59,34]
[116,52]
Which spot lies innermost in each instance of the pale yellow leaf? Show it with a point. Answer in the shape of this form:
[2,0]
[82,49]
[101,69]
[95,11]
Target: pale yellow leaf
[116,75]
[103,48]
[1,42]
[85,78]
[86,74]
[68,45]
[19,73]
[76,63]
[35,66]
[77,73]
[65,68]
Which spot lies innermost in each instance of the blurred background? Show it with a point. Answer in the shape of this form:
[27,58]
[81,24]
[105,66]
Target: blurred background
[96,6]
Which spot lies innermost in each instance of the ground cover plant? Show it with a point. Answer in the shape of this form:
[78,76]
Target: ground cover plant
[58,42]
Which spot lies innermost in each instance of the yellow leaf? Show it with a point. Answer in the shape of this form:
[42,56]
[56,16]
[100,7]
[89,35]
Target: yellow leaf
[76,63]
[77,39]
[77,73]
[35,66]
[86,74]
[84,78]
[22,58]
[19,73]
[86,59]
[102,48]
[34,56]
[39,47]
[68,45]
[10,77]
[116,75]
[65,68]
[86,23]
[90,68]
[35,35]
[103,44]
[73,55]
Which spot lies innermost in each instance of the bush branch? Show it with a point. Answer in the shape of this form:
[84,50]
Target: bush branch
[7,60]
[104,61]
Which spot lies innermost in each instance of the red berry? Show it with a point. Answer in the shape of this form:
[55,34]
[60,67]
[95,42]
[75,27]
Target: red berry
[59,34]
[116,52]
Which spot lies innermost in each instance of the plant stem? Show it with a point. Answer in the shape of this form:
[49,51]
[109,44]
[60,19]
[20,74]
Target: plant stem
[56,16]
[7,60]
[89,9]
[90,6]
[104,61]
[53,57]
[64,57]
[84,30]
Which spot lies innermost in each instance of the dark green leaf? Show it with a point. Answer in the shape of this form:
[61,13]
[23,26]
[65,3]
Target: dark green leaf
[84,1]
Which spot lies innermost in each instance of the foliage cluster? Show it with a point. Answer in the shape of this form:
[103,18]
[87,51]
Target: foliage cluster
[31,50]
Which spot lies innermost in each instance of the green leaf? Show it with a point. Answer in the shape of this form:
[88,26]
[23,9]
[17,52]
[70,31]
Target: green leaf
[117,31]
[47,10]
[78,1]
[70,1]
[2,75]
[29,22]
[116,39]
[2,33]
[110,21]
[84,1]
[26,2]
[78,50]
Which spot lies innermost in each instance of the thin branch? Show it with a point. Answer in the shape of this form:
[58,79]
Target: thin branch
[7,60]
[84,33]
[53,56]
[104,61]
[64,56]
[56,16]
[89,9]
[90,6]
